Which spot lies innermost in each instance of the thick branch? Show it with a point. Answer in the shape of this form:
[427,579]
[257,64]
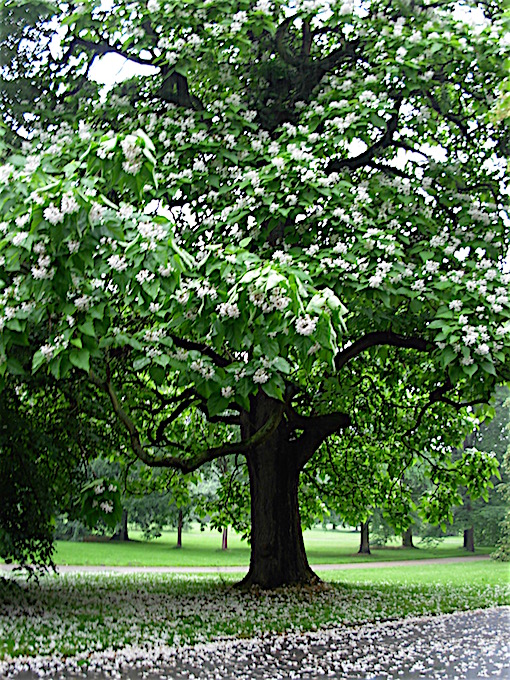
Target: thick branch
[380,338]
[101,48]
[447,114]
[316,429]
[364,158]
[193,463]
[200,347]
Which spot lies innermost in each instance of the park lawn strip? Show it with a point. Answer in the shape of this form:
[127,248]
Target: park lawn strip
[480,574]
[201,549]
[74,614]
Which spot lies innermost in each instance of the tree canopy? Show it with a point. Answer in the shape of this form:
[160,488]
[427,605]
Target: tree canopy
[292,200]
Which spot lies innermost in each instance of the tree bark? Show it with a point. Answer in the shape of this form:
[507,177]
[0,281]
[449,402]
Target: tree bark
[122,532]
[179,529]
[364,544]
[278,554]
[407,538]
[277,549]
[469,539]
[224,539]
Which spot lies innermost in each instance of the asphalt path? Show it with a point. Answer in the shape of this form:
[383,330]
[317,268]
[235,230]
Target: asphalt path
[459,646]
[68,568]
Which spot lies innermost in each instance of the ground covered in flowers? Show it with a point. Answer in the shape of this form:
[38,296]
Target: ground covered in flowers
[78,620]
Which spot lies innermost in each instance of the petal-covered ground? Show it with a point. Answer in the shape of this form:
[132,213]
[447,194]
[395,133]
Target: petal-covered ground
[180,626]
[459,646]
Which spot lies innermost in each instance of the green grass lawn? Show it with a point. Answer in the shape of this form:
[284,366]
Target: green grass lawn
[204,549]
[475,574]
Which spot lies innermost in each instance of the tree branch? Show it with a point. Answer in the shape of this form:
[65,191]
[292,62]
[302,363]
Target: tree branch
[367,155]
[380,338]
[200,347]
[316,429]
[446,114]
[193,463]
[101,48]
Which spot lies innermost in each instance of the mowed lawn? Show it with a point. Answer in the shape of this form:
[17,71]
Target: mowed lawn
[204,549]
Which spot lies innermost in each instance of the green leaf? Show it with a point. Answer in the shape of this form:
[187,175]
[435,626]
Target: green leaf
[488,367]
[217,404]
[447,356]
[87,328]
[37,360]
[142,362]
[470,370]
[14,366]
[272,389]
[80,358]
[158,374]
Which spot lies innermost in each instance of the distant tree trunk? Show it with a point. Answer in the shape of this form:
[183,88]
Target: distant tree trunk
[469,539]
[122,532]
[179,529]
[469,533]
[407,538]
[364,545]
[224,539]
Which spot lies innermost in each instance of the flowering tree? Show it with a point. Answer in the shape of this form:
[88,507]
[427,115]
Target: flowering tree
[292,194]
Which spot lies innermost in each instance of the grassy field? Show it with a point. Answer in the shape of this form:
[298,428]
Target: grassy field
[68,617]
[204,549]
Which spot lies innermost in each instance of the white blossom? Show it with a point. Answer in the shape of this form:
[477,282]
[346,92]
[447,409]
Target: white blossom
[118,262]
[53,215]
[260,376]
[306,325]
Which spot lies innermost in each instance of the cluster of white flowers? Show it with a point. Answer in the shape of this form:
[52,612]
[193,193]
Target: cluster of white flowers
[227,392]
[53,215]
[125,211]
[281,257]
[96,214]
[132,153]
[48,350]
[42,270]
[381,272]
[277,300]
[82,302]
[152,232]
[69,205]
[306,325]
[229,309]
[6,171]
[73,246]
[106,507]
[118,263]
[19,238]
[260,376]
[144,276]
[154,335]
[204,369]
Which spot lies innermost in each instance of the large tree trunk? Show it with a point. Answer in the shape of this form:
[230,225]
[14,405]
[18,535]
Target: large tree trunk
[224,538]
[364,541]
[277,550]
[278,554]
[407,538]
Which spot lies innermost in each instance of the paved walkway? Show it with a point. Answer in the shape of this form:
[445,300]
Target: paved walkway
[67,568]
[460,646]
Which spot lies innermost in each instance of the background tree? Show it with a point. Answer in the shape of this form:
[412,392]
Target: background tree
[286,196]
